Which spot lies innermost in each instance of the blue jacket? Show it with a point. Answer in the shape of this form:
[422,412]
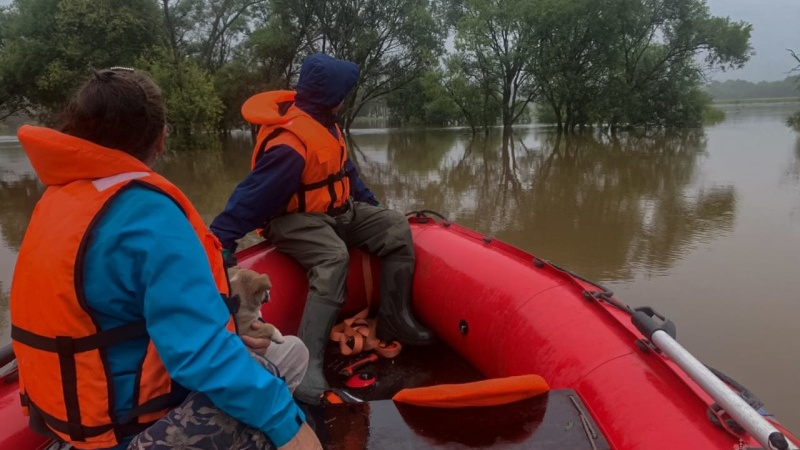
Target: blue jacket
[147,263]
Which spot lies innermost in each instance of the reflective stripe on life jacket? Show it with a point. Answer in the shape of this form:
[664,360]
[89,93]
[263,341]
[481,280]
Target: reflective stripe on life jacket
[65,379]
[325,187]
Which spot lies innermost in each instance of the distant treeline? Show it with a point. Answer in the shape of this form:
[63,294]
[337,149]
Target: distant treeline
[609,62]
[744,90]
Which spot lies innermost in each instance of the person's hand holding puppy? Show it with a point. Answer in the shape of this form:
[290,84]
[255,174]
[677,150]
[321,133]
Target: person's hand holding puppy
[256,344]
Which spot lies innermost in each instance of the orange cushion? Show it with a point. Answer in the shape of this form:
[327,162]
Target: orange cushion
[491,392]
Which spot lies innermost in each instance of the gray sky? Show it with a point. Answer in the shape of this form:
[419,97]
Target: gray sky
[776,27]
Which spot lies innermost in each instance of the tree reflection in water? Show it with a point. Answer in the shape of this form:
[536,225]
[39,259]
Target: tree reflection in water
[605,206]
[18,196]
[791,175]
[602,205]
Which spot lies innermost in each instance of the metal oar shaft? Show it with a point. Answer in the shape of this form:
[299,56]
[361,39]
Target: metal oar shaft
[747,417]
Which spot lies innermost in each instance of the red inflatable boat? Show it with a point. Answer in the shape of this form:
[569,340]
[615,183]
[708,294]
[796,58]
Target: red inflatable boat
[617,377]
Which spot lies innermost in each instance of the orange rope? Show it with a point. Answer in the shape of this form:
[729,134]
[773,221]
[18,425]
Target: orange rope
[358,333]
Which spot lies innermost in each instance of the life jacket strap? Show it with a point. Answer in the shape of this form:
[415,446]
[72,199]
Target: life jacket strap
[66,347]
[328,182]
[45,424]
[61,344]
[155,404]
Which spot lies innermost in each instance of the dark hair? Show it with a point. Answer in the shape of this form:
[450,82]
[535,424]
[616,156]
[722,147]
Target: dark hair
[119,108]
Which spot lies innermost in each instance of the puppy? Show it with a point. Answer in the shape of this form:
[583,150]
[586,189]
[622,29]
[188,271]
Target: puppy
[252,288]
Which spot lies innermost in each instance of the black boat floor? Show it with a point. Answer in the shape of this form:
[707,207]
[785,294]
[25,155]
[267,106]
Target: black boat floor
[555,420]
[413,367]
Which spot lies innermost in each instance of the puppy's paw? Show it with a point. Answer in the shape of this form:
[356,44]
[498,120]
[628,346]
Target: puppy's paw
[277,337]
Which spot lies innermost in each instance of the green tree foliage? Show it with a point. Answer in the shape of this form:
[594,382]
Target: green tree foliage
[200,35]
[392,41]
[633,62]
[659,41]
[207,30]
[273,51]
[12,101]
[610,62]
[472,91]
[221,25]
[193,105]
[494,40]
[423,101]
[48,46]
[573,58]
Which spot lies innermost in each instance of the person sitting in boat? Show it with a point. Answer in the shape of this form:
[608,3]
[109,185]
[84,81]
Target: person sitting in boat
[307,196]
[119,323]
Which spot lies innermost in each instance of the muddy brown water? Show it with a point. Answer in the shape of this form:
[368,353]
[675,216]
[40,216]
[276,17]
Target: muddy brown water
[704,225]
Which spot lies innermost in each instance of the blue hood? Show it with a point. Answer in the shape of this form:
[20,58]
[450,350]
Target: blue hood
[325,80]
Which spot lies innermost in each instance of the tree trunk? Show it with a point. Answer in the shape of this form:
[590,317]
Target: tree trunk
[507,116]
[557,114]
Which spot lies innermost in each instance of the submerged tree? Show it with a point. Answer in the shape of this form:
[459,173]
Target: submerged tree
[609,62]
[794,120]
[573,58]
[660,71]
[494,39]
[423,101]
[469,88]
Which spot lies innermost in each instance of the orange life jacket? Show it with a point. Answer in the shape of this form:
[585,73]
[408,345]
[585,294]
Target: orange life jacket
[325,186]
[65,379]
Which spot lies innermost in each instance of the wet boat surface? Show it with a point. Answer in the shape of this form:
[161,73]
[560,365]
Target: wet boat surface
[554,420]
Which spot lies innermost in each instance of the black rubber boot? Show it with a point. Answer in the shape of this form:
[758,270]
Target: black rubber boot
[395,319]
[315,329]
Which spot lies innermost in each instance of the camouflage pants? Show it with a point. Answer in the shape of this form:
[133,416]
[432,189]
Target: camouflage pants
[199,425]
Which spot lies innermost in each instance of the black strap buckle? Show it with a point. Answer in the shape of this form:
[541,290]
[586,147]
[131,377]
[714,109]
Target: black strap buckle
[333,212]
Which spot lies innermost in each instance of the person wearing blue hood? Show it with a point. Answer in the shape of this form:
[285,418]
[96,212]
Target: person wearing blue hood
[306,196]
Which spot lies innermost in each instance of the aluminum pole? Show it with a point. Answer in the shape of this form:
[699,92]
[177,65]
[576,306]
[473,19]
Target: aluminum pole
[749,419]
